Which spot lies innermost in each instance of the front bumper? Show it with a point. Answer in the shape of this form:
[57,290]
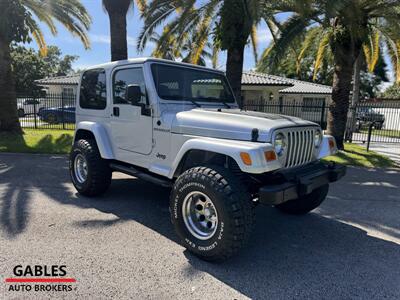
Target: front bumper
[297,182]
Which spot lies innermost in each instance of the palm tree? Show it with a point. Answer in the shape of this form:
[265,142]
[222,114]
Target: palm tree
[17,24]
[345,27]
[230,22]
[185,52]
[117,11]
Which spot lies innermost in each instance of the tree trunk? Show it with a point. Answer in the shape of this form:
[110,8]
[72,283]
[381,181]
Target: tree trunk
[8,101]
[338,108]
[351,122]
[119,47]
[234,71]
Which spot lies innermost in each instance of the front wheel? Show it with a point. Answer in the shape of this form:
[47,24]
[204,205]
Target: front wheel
[212,212]
[306,203]
[89,173]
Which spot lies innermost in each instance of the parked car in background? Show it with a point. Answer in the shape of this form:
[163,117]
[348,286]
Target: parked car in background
[369,115]
[29,106]
[56,115]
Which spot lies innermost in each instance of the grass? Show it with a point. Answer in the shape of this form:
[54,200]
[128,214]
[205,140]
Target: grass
[59,142]
[356,155]
[383,132]
[37,141]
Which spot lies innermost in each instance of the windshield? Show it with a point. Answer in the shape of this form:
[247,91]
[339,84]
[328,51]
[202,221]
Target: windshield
[179,83]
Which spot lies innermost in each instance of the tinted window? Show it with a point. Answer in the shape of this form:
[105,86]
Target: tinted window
[179,83]
[93,90]
[122,79]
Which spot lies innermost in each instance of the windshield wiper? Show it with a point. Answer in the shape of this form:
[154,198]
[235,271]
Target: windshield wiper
[216,100]
[194,102]
[226,104]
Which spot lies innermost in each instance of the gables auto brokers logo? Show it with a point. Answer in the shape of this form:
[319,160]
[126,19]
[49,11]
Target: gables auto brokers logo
[38,278]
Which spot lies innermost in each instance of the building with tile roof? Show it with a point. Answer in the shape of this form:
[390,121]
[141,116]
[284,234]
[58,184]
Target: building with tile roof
[260,91]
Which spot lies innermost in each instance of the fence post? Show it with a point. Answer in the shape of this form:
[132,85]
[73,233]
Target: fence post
[34,111]
[62,110]
[322,114]
[369,135]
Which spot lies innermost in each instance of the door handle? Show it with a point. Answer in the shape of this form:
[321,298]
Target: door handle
[116,111]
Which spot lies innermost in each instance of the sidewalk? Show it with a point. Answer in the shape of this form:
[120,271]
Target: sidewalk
[391,150]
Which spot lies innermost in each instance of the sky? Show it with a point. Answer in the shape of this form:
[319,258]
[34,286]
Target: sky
[99,35]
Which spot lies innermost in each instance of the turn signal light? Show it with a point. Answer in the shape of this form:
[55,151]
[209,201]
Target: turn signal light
[270,155]
[246,158]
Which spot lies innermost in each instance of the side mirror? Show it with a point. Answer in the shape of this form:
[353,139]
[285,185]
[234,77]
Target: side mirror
[133,94]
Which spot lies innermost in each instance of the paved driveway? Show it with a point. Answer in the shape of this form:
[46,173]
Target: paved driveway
[122,245]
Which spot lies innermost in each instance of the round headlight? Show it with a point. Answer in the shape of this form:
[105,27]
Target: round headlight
[280,144]
[317,138]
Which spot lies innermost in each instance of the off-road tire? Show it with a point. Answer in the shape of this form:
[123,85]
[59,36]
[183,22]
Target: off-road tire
[306,203]
[99,173]
[233,205]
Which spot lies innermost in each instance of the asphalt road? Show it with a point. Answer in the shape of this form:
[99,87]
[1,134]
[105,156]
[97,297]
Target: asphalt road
[122,245]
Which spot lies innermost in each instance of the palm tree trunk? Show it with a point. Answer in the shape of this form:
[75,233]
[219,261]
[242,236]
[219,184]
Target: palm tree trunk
[338,108]
[119,47]
[8,100]
[351,122]
[234,70]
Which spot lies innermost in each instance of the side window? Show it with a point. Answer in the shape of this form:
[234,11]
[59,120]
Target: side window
[123,78]
[93,90]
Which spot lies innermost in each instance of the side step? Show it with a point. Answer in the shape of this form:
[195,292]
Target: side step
[140,174]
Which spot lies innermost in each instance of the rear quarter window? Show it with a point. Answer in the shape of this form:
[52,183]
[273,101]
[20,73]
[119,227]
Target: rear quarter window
[93,93]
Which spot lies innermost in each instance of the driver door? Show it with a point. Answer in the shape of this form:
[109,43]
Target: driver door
[131,123]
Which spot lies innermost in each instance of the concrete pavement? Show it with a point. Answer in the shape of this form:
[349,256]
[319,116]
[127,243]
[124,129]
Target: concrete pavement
[122,245]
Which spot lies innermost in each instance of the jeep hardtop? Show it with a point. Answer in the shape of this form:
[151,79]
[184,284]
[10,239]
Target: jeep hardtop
[179,126]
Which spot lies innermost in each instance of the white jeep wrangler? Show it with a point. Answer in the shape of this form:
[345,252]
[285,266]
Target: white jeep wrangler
[178,125]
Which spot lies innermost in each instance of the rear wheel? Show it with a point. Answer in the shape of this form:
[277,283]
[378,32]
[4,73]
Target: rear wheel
[89,173]
[211,211]
[52,118]
[306,203]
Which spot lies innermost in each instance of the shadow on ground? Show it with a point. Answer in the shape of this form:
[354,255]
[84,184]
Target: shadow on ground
[339,260]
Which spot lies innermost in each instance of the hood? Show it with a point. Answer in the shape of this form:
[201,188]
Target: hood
[233,124]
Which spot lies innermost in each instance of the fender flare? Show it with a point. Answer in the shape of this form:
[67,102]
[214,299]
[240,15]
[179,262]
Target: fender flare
[100,135]
[232,149]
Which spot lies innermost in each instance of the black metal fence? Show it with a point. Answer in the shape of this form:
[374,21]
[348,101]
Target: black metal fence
[380,118]
[53,111]
[315,111]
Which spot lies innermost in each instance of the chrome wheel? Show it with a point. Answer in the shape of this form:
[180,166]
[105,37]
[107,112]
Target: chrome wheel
[200,215]
[80,168]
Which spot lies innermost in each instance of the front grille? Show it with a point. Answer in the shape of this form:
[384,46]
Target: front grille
[300,149]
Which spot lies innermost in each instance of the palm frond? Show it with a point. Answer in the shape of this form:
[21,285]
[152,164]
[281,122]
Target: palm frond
[291,29]
[37,35]
[70,13]
[311,36]
[372,51]
[254,42]
[322,48]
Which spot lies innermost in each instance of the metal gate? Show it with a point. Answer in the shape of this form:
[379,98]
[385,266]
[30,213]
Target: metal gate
[375,120]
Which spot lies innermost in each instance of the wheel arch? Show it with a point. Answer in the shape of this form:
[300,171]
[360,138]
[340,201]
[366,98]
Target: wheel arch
[93,130]
[199,157]
[217,148]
